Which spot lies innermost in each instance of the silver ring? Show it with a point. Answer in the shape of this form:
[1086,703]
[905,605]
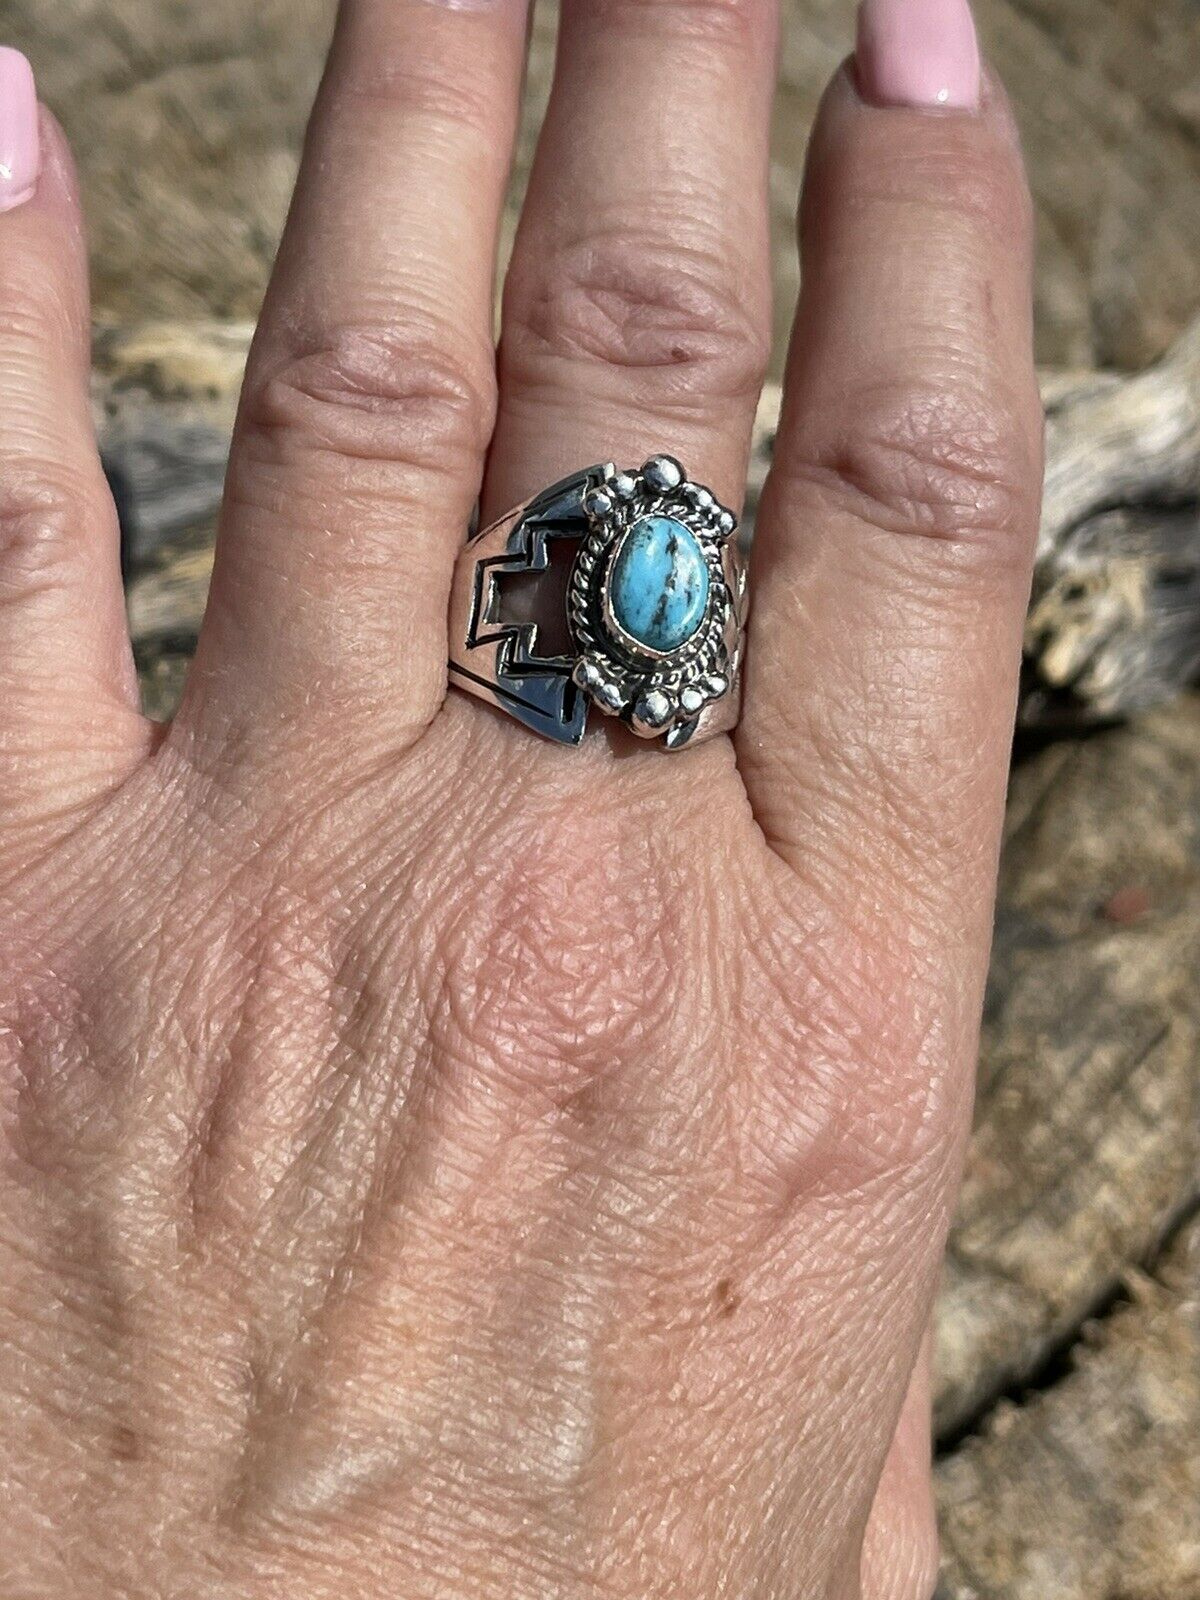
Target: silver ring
[655,608]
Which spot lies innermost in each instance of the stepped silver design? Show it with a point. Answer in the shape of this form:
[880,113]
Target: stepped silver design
[655,608]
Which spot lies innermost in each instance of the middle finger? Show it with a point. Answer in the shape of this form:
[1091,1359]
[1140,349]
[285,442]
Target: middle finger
[637,307]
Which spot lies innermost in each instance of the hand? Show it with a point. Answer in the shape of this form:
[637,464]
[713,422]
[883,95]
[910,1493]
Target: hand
[437,1163]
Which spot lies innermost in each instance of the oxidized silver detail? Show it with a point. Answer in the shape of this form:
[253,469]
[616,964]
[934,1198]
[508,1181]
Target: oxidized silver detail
[656,693]
[679,695]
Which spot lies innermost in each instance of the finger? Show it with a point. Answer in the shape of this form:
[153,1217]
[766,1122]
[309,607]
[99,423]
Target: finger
[370,391]
[68,695]
[900,1547]
[637,306]
[895,542]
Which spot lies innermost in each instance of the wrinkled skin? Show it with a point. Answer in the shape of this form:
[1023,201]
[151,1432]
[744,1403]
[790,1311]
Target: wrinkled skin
[433,1163]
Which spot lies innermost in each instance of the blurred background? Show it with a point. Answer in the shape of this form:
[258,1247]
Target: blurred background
[1068,1392]
[186,117]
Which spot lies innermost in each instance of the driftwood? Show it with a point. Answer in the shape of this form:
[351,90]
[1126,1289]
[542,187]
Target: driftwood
[1090,1490]
[1068,1330]
[164,395]
[1115,621]
[1086,1153]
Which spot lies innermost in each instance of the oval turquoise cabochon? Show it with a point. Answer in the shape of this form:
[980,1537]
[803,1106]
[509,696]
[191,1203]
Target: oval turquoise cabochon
[658,588]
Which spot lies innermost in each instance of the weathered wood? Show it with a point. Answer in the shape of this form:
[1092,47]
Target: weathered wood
[1070,1421]
[1090,1489]
[164,395]
[1115,621]
[187,120]
[1087,1144]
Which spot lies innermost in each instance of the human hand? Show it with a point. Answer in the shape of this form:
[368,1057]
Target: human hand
[437,1163]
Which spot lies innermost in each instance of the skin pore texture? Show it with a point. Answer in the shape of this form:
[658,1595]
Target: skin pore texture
[434,1163]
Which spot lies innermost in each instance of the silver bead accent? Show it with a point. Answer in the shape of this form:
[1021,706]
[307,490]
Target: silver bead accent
[672,696]
[663,474]
[652,711]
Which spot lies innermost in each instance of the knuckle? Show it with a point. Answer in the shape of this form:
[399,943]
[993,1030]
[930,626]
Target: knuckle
[37,314]
[44,1063]
[988,192]
[457,95]
[42,510]
[720,22]
[406,396]
[875,1085]
[957,180]
[555,980]
[949,464]
[673,317]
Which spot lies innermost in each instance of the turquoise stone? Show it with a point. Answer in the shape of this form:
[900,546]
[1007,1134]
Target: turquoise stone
[659,584]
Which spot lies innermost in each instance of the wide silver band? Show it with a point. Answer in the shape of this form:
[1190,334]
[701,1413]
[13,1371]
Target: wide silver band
[674,674]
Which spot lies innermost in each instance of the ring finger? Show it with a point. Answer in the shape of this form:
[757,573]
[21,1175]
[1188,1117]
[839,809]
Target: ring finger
[637,306]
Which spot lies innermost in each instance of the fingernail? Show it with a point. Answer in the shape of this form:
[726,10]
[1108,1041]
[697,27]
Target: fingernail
[20,140]
[921,53]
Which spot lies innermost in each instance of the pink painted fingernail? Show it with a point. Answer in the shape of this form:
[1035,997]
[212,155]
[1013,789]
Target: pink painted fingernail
[918,53]
[20,139]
